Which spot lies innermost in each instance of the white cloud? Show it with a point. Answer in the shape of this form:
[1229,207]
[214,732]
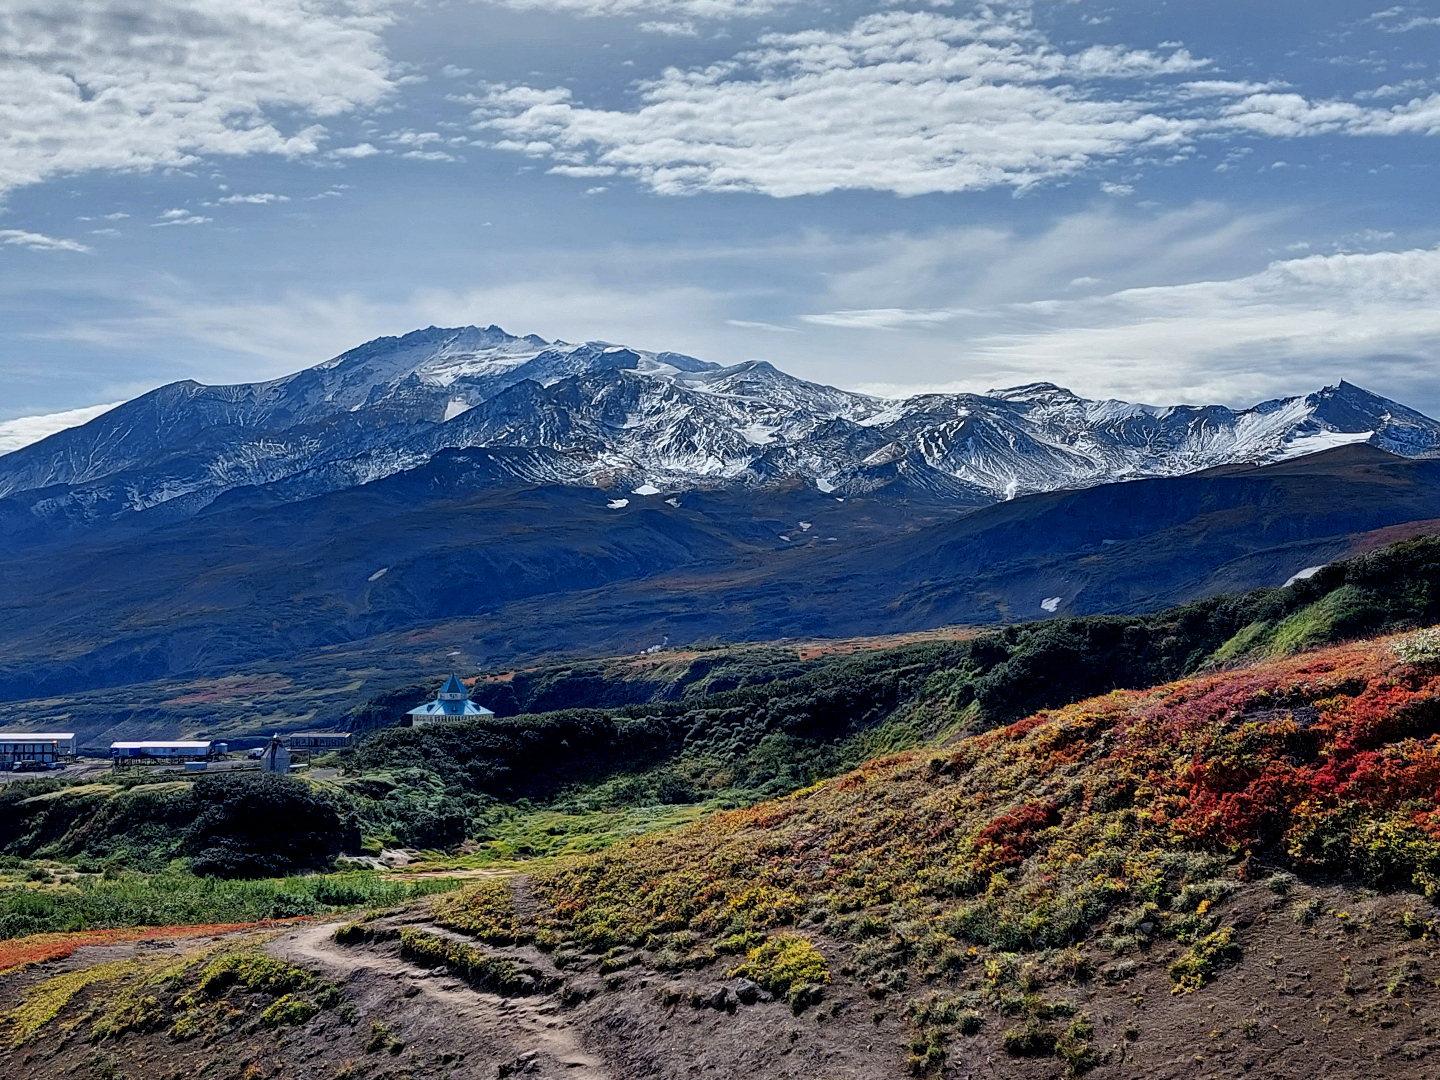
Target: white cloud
[671,29]
[38,241]
[415,138]
[261,198]
[28,429]
[1400,20]
[1293,116]
[901,101]
[139,84]
[1239,339]
[915,103]
[583,170]
[750,324]
[694,9]
[359,150]
[1401,89]
[880,318]
[179,217]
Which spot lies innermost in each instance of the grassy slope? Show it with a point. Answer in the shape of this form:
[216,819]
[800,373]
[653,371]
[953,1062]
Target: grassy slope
[731,729]
[1013,892]
[1326,762]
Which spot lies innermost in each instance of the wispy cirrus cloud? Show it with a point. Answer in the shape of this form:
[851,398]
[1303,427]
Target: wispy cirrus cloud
[914,103]
[38,241]
[1331,316]
[179,216]
[677,9]
[881,318]
[1401,19]
[259,198]
[138,84]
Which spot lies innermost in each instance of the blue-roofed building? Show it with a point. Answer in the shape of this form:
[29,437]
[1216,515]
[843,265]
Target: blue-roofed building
[451,704]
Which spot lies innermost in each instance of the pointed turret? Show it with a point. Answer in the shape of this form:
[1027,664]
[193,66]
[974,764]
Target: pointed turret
[452,703]
[276,758]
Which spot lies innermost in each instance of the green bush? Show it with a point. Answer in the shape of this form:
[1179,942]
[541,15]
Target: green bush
[289,1009]
[263,826]
[469,963]
[253,971]
[787,965]
[1034,1038]
[485,910]
[1198,964]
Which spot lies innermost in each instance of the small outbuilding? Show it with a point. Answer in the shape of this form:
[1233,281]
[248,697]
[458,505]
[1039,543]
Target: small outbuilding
[451,704]
[275,759]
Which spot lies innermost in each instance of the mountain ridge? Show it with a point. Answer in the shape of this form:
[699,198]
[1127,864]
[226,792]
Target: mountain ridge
[620,416]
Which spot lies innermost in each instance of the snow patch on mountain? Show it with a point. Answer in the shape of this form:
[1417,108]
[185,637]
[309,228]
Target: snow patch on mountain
[1303,443]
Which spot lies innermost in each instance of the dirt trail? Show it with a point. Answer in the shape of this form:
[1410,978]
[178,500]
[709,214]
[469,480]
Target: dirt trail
[530,1036]
[458,875]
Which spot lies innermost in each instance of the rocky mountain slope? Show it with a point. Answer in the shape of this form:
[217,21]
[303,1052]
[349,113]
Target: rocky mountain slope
[603,415]
[498,574]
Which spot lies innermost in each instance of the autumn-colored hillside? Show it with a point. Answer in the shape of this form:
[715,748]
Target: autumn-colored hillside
[1086,834]
[1326,763]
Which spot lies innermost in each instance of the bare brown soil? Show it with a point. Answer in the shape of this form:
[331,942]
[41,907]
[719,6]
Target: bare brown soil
[1332,983]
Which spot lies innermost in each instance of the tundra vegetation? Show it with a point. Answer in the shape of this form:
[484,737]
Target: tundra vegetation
[986,878]
[207,991]
[621,753]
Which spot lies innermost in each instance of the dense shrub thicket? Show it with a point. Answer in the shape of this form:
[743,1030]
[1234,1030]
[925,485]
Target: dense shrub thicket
[263,826]
[225,826]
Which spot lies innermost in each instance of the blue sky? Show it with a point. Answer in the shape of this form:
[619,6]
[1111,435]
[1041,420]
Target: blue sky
[1160,201]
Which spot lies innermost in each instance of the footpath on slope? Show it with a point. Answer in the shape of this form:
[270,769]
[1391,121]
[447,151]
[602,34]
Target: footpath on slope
[501,1035]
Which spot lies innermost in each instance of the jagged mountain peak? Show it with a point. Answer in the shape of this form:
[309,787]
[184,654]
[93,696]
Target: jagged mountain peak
[618,414]
[1036,391]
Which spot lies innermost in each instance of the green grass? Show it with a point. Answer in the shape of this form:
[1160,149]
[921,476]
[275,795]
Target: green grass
[178,899]
[1309,626]
[1243,643]
[519,834]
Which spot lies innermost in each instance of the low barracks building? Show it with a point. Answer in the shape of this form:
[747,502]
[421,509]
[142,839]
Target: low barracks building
[123,753]
[318,740]
[44,746]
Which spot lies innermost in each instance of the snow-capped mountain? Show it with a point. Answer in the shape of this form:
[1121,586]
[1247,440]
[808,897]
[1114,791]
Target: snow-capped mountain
[610,416]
